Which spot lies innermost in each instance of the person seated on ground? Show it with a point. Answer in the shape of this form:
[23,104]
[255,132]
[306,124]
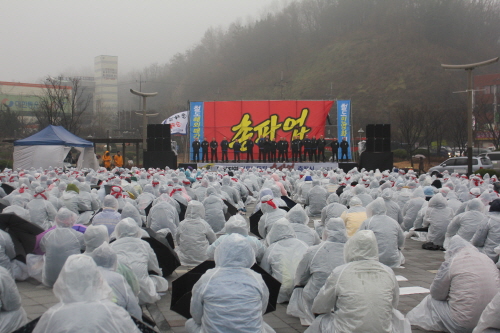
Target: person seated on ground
[84,302]
[298,218]
[109,217]
[58,244]
[333,210]
[129,210]
[163,219]
[315,267]
[271,214]
[464,285]
[238,225]
[411,209]
[283,256]
[354,216]
[466,224]
[194,235]
[315,199]
[487,236]
[437,217]
[231,297]
[42,212]
[489,322]
[18,207]
[87,203]
[390,237]
[140,257]
[70,198]
[12,314]
[363,293]
[392,208]
[215,208]
[107,261]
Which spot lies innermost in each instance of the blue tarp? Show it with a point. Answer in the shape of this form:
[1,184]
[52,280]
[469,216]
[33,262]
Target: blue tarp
[54,136]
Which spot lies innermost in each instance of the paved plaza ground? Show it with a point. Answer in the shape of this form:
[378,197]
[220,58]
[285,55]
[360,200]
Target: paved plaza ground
[420,269]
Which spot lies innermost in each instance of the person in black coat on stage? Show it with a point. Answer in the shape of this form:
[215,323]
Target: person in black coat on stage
[295,144]
[267,149]
[250,145]
[213,150]
[335,150]
[272,151]
[321,143]
[262,155]
[224,146]
[282,150]
[204,150]
[344,146]
[313,157]
[237,149]
[196,150]
[306,143]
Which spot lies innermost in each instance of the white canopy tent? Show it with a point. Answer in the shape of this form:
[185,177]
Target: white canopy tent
[49,147]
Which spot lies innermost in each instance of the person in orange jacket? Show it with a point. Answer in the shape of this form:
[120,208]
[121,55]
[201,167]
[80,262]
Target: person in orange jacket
[118,160]
[106,160]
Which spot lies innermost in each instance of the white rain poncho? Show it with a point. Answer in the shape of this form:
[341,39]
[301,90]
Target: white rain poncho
[393,209]
[238,225]
[411,209]
[7,252]
[107,261]
[231,297]
[315,199]
[130,211]
[437,217]
[283,256]
[464,285]
[163,216]
[233,194]
[333,210]
[214,210]
[487,237]
[42,212]
[490,321]
[315,267]
[363,293]
[58,244]
[466,224]
[109,217]
[12,314]
[298,218]
[84,302]
[354,216]
[140,257]
[390,237]
[360,191]
[17,207]
[271,214]
[69,198]
[194,235]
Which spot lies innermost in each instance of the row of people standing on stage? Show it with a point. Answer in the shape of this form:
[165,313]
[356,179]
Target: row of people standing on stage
[272,151]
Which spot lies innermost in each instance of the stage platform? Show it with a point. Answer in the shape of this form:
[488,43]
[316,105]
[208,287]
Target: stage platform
[277,165]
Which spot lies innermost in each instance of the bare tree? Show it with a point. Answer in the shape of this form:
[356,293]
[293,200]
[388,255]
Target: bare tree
[11,123]
[484,116]
[62,104]
[410,127]
[457,126]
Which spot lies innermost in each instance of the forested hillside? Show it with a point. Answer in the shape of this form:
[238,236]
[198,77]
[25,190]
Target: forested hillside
[378,53]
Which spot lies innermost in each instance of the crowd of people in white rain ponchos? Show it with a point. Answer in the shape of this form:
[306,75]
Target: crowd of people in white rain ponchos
[336,276]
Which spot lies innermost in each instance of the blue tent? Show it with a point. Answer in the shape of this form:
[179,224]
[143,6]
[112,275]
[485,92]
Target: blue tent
[54,136]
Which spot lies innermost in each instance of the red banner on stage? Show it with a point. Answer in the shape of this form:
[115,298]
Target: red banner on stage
[245,120]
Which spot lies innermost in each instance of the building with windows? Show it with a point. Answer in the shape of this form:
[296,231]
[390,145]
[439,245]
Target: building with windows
[106,84]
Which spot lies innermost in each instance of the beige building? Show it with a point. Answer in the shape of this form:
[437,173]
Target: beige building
[106,84]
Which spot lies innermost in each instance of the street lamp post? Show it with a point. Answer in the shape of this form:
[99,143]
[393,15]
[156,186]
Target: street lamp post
[144,115]
[469,68]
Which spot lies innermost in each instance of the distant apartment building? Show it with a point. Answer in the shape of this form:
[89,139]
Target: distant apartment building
[106,84]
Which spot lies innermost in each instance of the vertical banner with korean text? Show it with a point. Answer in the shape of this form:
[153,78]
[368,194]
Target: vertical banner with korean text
[344,124]
[196,124]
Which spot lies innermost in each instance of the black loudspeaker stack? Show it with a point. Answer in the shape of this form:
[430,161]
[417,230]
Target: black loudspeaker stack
[159,152]
[377,154]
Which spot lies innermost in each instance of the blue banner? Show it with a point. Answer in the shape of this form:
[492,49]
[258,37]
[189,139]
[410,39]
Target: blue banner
[344,125]
[196,125]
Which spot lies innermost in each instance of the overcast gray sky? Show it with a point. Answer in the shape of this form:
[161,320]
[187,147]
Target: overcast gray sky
[49,37]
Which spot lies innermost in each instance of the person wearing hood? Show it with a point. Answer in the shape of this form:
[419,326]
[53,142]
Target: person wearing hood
[109,217]
[466,224]
[58,244]
[70,198]
[194,235]
[390,237]
[12,314]
[84,301]
[489,322]
[363,293]
[215,208]
[106,160]
[107,261]
[231,297]
[333,210]
[18,207]
[163,218]
[298,218]
[272,213]
[131,211]
[238,225]
[437,217]
[411,209]
[7,252]
[315,267]
[283,256]
[303,188]
[354,216]
[392,208]
[487,236]
[140,257]
[315,199]
[42,212]
[464,285]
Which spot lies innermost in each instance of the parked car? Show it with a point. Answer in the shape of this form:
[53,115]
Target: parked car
[459,164]
[494,156]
